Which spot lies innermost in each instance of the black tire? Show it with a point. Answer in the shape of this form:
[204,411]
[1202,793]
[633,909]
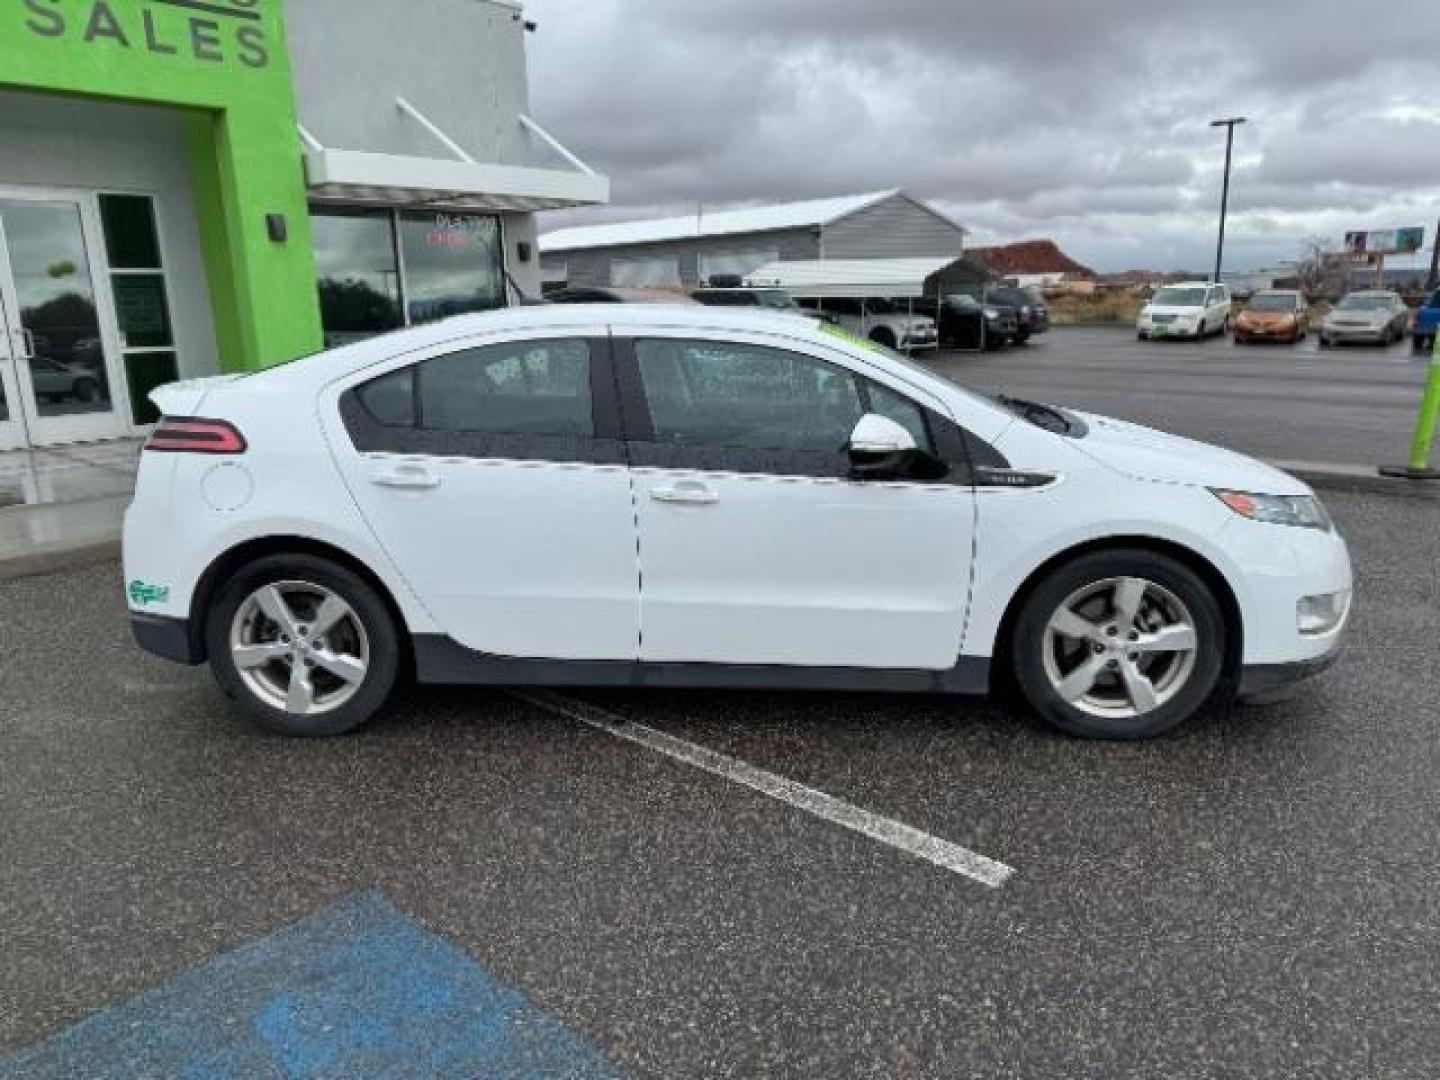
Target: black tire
[86,391]
[1028,644]
[883,337]
[380,629]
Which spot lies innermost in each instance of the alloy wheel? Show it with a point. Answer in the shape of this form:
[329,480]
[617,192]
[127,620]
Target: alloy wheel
[1120,648]
[299,647]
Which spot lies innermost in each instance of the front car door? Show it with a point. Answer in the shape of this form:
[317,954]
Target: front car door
[493,474]
[756,546]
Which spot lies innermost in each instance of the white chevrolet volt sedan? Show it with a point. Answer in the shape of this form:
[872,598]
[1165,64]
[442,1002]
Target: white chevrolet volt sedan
[706,497]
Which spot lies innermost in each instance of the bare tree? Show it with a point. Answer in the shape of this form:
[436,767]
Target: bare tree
[1322,272]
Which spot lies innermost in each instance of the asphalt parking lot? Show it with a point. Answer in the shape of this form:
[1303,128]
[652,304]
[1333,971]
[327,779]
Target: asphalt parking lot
[1254,896]
[1350,406]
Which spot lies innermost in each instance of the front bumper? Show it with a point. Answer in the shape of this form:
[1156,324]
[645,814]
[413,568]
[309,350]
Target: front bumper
[1366,335]
[1263,681]
[1288,334]
[168,638]
[1169,330]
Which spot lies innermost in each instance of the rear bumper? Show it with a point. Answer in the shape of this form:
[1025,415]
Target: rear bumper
[167,638]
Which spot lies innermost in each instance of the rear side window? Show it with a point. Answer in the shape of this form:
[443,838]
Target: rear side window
[520,388]
[750,397]
[391,399]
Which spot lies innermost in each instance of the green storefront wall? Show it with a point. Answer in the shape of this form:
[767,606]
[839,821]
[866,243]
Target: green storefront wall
[226,63]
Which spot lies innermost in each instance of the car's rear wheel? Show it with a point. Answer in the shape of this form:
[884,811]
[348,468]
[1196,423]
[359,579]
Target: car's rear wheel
[883,337]
[1124,644]
[304,646]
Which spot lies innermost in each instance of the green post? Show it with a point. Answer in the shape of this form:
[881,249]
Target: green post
[1424,441]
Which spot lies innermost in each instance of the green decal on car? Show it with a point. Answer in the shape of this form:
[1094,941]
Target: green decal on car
[143,595]
[851,338]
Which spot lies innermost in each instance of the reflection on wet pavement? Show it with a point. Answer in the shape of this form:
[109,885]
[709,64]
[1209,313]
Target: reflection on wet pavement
[68,474]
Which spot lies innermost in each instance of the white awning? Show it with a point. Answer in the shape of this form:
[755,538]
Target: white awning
[849,277]
[459,181]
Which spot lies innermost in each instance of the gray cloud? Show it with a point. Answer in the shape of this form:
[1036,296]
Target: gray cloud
[1085,120]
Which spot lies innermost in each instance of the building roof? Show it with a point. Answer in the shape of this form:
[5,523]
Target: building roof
[850,277]
[1030,257]
[793,215]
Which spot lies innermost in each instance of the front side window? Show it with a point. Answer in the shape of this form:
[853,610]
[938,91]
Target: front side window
[519,388]
[904,412]
[726,394]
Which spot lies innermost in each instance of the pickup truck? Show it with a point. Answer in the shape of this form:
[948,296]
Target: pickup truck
[1427,320]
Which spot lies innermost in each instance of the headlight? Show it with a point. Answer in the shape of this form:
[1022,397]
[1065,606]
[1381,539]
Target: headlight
[991,313]
[1301,511]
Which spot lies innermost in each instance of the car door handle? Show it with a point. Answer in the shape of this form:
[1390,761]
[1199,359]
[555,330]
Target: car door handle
[415,477]
[691,492]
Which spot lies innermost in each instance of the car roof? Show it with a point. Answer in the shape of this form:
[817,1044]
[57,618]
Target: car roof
[560,318]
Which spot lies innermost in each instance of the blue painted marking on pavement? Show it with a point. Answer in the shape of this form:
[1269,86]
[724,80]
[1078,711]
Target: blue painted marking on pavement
[356,990]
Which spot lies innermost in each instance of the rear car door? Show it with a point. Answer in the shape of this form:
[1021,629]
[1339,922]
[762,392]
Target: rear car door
[493,474]
[756,546]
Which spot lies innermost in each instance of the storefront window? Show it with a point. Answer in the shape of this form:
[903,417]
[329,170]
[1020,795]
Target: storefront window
[359,278]
[137,282]
[452,264]
[380,270]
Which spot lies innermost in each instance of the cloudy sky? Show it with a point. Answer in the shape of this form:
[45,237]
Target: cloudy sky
[1081,120]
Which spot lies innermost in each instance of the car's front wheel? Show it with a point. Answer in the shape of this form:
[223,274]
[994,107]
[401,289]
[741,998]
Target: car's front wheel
[1123,644]
[304,646]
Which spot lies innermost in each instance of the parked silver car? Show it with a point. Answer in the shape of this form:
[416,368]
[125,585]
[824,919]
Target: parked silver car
[1375,317]
[55,381]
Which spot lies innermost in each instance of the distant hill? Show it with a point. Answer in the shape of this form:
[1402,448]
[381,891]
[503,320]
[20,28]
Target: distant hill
[1030,257]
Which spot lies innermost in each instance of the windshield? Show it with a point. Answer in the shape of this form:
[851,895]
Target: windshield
[1180,298]
[962,300]
[1273,302]
[1361,302]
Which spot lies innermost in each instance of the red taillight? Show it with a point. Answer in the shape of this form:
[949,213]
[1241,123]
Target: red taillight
[191,435]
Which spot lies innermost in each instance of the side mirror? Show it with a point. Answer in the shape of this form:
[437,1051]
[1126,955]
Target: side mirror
[880,449]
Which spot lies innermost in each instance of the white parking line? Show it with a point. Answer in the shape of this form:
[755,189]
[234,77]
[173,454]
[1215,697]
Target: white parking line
[922,845]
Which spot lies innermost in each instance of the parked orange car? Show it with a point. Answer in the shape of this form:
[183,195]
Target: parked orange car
[1273,315]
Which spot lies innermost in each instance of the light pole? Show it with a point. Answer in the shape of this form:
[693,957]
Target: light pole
[1229,125]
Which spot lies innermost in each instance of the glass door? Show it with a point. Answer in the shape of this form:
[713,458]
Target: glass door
[60,382]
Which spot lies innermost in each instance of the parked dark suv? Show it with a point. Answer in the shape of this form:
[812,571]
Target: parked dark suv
[964,323]
[1031,315]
